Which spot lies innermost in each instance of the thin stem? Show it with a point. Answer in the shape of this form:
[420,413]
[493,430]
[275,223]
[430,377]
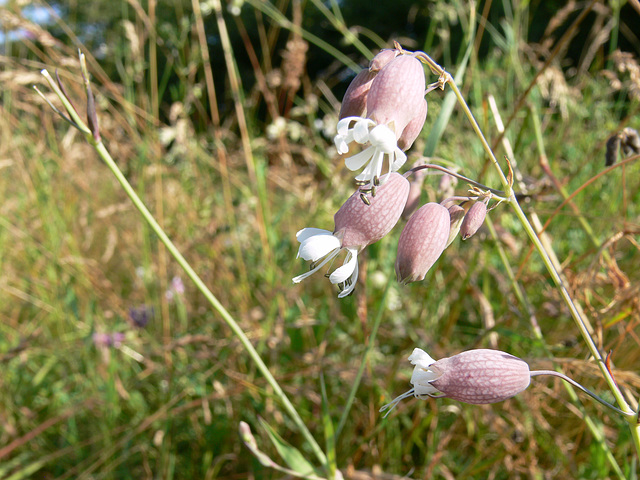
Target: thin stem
[237,330]
[211,298]
[580,387]
[575,313]
[457,175]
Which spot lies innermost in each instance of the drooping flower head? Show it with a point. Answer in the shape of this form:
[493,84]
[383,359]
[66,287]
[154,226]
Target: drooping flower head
[358,223]
[476,376]
[395,110]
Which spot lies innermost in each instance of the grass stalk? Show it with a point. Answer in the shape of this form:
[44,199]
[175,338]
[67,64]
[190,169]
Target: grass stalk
[211,298]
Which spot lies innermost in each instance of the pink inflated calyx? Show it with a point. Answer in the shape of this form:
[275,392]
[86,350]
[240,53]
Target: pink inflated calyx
[481,376]
[359,223]
[397,93]
[354,102]
[422,241]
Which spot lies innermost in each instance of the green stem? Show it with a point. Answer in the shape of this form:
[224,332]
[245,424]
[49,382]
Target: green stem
[579,321]
[211,298]
[237,330]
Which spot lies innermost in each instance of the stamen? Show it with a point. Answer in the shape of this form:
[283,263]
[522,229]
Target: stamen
[376,181]
[364,199]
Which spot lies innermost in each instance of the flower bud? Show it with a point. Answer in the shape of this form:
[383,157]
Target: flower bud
[359,224]
[396,93]
[473,220]
[422,241]
[481,376]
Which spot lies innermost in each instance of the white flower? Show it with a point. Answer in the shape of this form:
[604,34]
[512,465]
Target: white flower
[420,379]
[381,140]
[478,376]
[320,247]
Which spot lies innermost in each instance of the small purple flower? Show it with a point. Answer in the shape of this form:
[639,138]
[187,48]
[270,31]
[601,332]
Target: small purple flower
[357,224]
[176,288]
[476,376]
[140,316]
[105,340]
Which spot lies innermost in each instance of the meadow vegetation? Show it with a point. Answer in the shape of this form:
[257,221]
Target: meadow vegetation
[113,365]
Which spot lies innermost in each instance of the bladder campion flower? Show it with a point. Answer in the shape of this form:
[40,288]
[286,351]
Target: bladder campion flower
[476,376]
[357,224]
[395,113]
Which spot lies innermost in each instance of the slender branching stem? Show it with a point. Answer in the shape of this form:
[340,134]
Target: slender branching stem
[575,313]
[553,373]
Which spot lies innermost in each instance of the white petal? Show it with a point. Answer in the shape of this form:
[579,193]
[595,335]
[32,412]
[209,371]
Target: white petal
[361,131]
[317,246]
[421,381]
[349,269]
[343,125]
[421,358]
[328,258]
[367,174]
[342,143]
[396,161]
[352,284]
[357,161]
[383,137]
[305,233]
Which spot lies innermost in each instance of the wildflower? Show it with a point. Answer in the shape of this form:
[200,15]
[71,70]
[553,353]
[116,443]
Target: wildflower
[476,376]
[422,241]
[105,340]
[140,316]
[357,224]
[176,288]
[395,113]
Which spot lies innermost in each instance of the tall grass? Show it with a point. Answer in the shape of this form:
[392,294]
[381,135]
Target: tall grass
[230,185]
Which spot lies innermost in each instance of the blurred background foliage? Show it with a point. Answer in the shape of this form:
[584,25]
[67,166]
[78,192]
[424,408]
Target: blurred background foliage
[111,369]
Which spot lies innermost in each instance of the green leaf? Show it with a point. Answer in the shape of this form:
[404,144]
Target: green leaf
[291,455]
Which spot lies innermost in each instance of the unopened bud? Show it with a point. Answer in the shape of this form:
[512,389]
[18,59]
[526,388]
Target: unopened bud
[422,241]
[473,220]
[359,224]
